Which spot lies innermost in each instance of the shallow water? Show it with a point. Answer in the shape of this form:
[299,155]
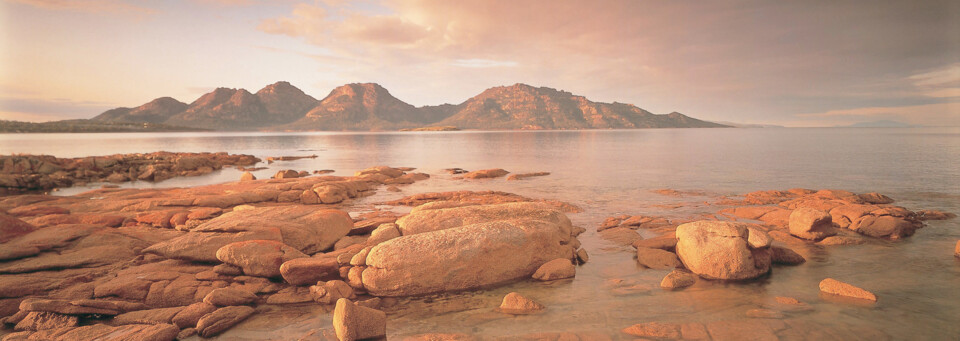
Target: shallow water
[613,172]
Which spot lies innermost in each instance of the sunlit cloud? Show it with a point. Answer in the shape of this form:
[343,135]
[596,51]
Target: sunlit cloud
[89,6]
[483,63]
[938,114]
[942,82]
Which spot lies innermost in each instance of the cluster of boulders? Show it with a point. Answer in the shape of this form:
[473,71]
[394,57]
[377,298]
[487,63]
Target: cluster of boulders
[169,263]
[44,172]
[742,242]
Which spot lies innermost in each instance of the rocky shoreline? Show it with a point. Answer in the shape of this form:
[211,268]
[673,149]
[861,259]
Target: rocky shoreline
[164,264]
[23,173]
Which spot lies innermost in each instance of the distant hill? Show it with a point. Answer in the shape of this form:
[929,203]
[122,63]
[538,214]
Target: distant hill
[365,106]
[157,111]
[86,126]
[522,106]
[878,124]
[285,103]
[368,106]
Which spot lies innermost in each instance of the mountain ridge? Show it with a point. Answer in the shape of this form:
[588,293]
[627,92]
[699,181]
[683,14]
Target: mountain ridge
[370,107]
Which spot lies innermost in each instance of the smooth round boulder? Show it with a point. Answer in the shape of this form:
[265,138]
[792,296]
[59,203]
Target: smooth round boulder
[261,258]
[556,269]
[515,304]
[247,176]
[811,224]
[720,250]
[678,279]
[464,257]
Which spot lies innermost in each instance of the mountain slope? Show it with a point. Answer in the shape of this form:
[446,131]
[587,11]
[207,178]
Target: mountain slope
[156,111]
[364,106]
[223,109]
[285,103]
[521,106]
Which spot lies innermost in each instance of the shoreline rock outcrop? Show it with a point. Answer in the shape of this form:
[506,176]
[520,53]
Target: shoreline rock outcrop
[45,172]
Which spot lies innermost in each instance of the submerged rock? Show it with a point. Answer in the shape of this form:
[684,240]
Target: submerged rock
[835,287]
[486,174]
[785,256]
[656,330]
[515,304]
[720,250]
[678,279]
[556,269]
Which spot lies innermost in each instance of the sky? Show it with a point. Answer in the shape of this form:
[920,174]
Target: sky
[791,62]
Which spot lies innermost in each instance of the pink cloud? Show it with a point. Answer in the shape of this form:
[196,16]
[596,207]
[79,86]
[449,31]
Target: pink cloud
[89,6]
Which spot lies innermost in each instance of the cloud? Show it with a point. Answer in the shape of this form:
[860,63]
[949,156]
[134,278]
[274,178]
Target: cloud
[746,59]
[483,63]
[937,114]
[942,82]
[89,6]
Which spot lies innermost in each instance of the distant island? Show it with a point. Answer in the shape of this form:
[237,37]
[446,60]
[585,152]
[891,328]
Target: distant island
[879,124]
[368,107]
[87,126]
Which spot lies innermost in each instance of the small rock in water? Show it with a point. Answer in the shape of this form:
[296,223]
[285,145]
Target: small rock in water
[656,330]
[486,174]
[556,269]
[354,322]
[515,304]
[935,215]
[785,256]
[840,240]
[526,175]
[247,176]
[677,279]
[657,259]
[835,287]
[583,257]
[286,174]
[764,314]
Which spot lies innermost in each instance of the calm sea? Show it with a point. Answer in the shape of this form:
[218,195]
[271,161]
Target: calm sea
[612,172]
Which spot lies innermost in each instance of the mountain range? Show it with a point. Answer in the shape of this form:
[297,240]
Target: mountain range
[368,106]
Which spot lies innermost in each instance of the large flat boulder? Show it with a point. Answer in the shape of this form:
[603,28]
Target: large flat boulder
[305,228]
[260,258]
[464,257]
[721,250]
[11,227]
[427,220]
[203,246]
